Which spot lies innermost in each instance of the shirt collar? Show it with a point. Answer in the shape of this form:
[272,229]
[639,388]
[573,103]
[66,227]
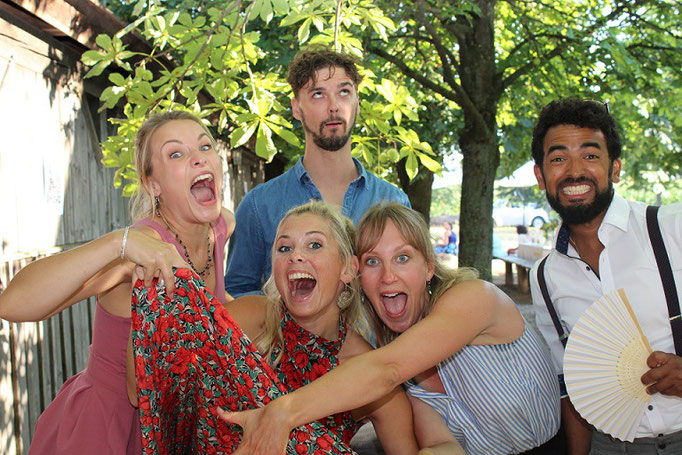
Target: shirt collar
[617,215]
[301,173]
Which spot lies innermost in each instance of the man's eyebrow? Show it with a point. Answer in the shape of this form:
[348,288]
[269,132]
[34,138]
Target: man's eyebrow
[556,147]
[340,85]
[582,146]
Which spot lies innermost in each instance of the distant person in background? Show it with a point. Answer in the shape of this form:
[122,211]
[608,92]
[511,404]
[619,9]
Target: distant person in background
[448,242]
[522,231]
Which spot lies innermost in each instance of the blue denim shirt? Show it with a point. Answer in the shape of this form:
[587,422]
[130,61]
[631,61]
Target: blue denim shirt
[259,213]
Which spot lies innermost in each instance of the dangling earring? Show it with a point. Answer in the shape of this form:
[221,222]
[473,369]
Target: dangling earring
[156,205]
[428,287]
[345,298]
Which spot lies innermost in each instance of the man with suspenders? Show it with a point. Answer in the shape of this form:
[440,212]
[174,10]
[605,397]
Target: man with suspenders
[606,243]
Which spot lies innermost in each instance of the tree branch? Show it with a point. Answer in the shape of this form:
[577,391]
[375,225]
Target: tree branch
[559,49]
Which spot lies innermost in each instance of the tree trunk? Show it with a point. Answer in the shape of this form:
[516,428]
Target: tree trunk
[418,190]
[478,139]
[475,220]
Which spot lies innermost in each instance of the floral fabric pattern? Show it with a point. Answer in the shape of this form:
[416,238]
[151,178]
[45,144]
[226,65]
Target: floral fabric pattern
[191,357]
[306,357]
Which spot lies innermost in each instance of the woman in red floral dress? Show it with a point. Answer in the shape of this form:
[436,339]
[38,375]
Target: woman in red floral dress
[310,319]
[181,214]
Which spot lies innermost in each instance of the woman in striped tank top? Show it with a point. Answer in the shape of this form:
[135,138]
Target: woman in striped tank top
[473,369]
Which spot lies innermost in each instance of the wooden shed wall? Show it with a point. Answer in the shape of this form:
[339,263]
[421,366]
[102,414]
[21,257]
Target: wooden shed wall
[56,194]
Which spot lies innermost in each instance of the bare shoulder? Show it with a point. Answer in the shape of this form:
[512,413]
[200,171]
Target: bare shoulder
[229,220]
[473,292]
[249,312]
[354,345]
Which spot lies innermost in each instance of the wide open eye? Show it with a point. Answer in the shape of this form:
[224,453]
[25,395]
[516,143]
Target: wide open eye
[372,262]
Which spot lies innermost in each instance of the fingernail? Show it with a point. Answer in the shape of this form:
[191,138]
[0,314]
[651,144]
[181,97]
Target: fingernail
[161,282]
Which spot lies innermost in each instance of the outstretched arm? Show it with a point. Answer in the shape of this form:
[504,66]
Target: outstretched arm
[47,286]
[464,312]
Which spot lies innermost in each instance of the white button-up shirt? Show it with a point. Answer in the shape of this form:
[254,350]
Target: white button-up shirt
[626,262]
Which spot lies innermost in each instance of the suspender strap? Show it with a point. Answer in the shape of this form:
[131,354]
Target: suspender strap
[666,273]
[548,302]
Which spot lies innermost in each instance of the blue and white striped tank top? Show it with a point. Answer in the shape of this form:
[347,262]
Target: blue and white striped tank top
[500,399]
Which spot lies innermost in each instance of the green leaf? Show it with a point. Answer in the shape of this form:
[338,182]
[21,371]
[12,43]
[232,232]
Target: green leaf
[138,7]
[97,69]
[92,57]
[104,41]
[256,7]
[397,116]
[266,14]
[291,18]
[281,6]
[411,166]
[285,134]
[117,79]
[431,164]
[241,136]
[304,31]
[185,19]
[265,148]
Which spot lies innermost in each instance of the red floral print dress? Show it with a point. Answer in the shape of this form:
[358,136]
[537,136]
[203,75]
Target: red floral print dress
[190,357]
[306,357]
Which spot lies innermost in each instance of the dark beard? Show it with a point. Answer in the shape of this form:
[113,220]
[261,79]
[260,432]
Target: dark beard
[582,213]
[331,143]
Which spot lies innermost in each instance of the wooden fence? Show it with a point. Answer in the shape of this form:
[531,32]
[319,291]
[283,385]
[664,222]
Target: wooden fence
[36,358]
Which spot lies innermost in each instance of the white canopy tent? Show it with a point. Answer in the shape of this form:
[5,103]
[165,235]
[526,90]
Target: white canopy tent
[520,178]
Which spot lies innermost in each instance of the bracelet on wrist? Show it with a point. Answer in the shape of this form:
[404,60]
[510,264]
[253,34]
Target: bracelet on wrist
[123,244]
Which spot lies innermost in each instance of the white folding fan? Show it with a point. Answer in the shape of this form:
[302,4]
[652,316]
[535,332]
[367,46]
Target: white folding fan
[604,360]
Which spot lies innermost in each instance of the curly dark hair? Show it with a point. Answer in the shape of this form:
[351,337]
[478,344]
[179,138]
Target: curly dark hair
[305,64]
[581,113]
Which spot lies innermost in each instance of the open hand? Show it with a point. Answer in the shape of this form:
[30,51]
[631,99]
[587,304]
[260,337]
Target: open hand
[264,432]
[665,375]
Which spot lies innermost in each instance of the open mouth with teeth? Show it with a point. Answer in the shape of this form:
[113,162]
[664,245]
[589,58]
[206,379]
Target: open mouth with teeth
[395,303]
[203,189]
[301,285]
[575,190]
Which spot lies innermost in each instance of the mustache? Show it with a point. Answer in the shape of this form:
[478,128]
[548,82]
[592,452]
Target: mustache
[575,181]
[334,118]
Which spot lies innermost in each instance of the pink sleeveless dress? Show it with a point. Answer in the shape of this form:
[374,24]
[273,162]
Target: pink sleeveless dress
[92,414]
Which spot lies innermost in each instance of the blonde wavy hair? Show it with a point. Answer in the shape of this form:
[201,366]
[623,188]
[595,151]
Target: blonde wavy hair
[142,202]
[413,229]
[343,231]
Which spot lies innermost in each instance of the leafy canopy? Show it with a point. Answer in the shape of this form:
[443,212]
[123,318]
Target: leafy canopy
[226,62]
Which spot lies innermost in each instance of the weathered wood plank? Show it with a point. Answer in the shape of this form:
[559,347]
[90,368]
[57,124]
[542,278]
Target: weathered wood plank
[81,334]
[8,442]
[21,378]
[67,343]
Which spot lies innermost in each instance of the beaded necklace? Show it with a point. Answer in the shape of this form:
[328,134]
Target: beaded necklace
[206,268]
